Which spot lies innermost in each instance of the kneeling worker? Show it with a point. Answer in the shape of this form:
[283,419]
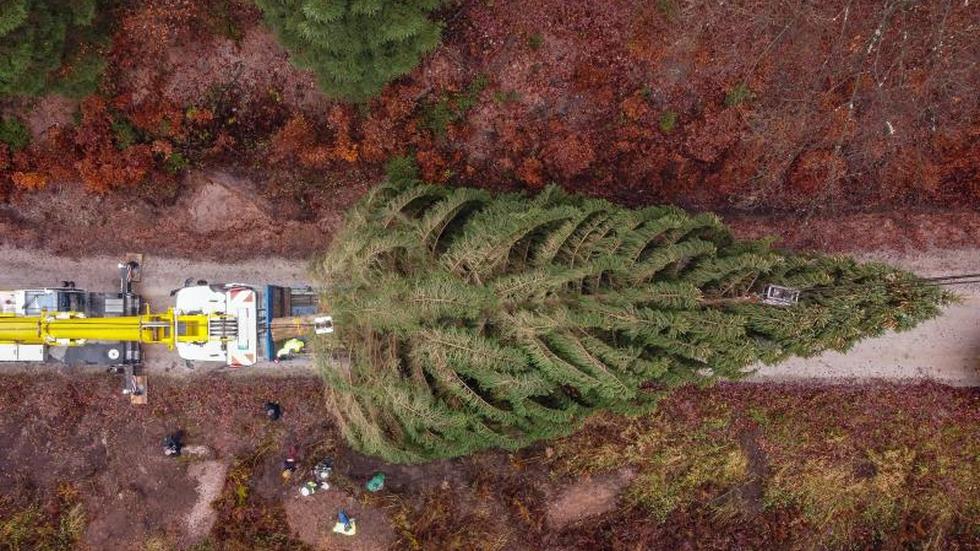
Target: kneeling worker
[290,347]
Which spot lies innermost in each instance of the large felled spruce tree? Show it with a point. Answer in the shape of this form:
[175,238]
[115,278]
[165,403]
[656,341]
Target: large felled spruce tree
[472,320]
[47,45]
[354,47]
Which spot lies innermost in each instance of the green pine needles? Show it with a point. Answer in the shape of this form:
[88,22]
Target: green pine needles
[48,45]
[470,321]
[354,47]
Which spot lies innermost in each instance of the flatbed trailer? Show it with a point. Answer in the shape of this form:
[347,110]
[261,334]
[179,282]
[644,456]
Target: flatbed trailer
[288,312]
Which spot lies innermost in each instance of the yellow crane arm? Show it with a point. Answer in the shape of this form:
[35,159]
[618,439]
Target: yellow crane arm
[73,329]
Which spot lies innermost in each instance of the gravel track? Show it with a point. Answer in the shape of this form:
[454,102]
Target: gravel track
[946,349]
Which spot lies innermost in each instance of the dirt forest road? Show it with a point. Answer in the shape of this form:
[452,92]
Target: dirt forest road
[946,349]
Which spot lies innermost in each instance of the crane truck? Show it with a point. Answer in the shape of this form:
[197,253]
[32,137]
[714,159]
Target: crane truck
[233,324]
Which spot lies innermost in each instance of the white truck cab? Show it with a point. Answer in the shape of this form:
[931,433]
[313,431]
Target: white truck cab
[234,336]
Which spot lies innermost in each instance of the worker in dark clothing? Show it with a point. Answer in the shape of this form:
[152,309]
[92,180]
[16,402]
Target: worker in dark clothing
[172,444]
[273,411]
[322,470]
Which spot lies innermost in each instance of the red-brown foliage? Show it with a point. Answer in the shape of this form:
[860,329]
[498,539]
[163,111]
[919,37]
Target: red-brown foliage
[297,142]
[833,112]
[158,116]
[530,172]
[432,166]
[85,153]
[636,107]
[102,166]
[569,155]
[29,181]
[344,148]
[853,107]
[813,170]
[148,27]
[55,155]
[296,135]
[5,178]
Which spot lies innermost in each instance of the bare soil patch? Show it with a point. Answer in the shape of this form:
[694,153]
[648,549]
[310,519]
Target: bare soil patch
[210,477]
[221,217]
[588,498]
[50,112]
[313,519]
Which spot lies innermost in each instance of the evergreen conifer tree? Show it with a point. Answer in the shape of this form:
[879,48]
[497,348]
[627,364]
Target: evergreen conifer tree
[39,47]
[471,321]
[354,47]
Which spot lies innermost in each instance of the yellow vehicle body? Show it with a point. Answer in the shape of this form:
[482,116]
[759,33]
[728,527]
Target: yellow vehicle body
[205,323]
[74,329]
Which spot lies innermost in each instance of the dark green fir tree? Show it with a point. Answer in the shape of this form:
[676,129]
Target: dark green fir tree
[467,320]
[354,47]
[49,46]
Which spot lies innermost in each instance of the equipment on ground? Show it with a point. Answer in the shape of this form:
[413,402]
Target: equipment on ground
[376,483]
[233,324]
[323,325]
[322,471]
[308,489]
